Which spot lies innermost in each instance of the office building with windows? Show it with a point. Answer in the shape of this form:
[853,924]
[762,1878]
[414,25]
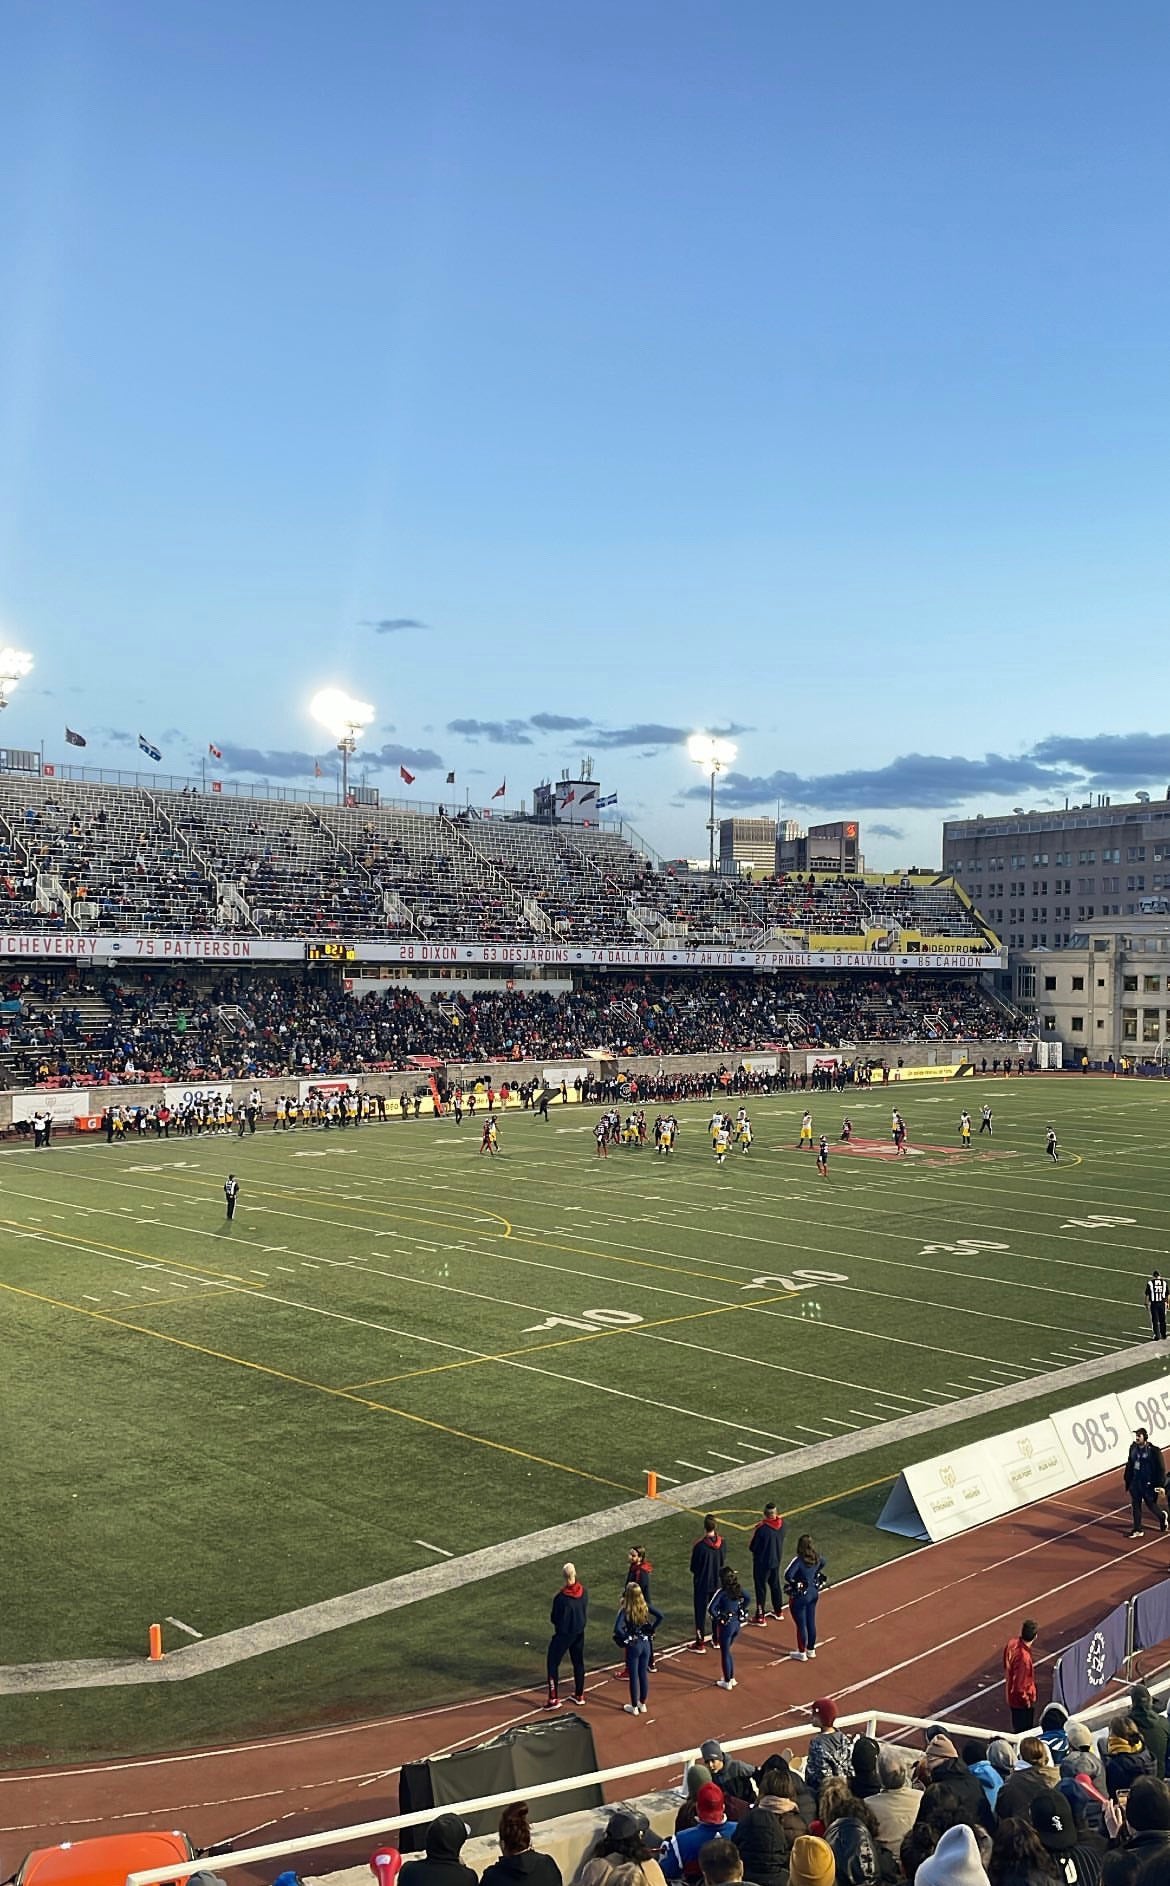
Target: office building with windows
[1038,878]
[1105,993]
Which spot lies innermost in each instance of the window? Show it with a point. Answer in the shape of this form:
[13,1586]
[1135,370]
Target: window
[1129,1024]
[1078,983]
[1026,982]
[1112,856]
[1151,984]
[1100,1023]
[1050,1024]
[1129,984]
[1086,857]
[1151,1025]
[1077,1024]
[1050,985]
[1135,854]
[1100,982]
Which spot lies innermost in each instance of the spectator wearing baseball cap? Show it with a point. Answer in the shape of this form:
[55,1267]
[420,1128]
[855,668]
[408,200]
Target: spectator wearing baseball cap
[623,1843]
[1078,1854]
[680,1856]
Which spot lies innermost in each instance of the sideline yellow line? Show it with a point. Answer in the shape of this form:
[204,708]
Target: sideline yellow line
[567,1342]
[321,1388]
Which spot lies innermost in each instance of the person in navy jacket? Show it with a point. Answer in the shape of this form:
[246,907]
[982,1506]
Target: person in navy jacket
[570,1611]
[708,1556]
[804,1580]
[767,1550]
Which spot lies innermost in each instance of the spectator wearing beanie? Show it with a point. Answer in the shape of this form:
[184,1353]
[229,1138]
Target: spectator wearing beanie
[1054,1731]
[895,1809]
[1147,1815]
[1037,1776]
[443,1843]
[1083,1757]
[944,1770]
[829,1752]
[865,1778]
[1077,1854]
[697,1776]
[1127,1758]
[519,1863]
[765,1835]
[811,1862]
[680,1856]
[954,1862]
[1152,1725]
[735,1778]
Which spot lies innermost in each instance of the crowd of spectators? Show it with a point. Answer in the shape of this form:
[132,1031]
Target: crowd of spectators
[92,1025]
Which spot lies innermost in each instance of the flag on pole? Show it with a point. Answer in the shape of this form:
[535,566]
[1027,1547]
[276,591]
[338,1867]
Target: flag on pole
[215,752]
[317,773]
[450,779]
[74,739]
[151,752]
[500,791]
[406,778]
[610,799]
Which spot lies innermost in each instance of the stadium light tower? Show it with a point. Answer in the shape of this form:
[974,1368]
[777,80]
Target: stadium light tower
[345,719]
[15,663]
[713,755]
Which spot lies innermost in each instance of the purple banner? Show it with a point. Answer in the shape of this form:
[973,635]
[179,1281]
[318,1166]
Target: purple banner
[1089,1664]
[1151,1616]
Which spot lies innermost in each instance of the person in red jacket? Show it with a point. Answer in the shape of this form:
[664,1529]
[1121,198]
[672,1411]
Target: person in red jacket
[1019,1674]
[708,1556]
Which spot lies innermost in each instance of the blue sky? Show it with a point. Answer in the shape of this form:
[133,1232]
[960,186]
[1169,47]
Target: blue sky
[798,369]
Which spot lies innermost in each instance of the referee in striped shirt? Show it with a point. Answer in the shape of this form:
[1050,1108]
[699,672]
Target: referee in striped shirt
[1156,1305]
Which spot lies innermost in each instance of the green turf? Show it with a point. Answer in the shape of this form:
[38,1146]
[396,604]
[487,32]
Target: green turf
[247,1429]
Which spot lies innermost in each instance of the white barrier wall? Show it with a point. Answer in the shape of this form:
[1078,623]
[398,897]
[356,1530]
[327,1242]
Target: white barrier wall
[951,1493]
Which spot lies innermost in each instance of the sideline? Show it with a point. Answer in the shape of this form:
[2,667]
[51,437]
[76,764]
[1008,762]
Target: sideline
[393,1594]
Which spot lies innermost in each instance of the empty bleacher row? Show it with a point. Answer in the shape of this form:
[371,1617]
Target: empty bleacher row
[84,856]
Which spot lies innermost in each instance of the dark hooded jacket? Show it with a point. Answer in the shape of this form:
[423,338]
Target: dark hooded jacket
[764,1838]
[529,1868]
[767,1545]
[442,1867]
[708,1557]
[1155,1730]
[967,1789]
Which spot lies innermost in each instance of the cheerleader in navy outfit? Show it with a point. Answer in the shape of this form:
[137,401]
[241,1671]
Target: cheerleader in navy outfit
[632,1632]
[804,1581]
[728,1609]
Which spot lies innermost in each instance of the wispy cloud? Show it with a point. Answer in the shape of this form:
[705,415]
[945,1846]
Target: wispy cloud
[919,781]
[560,723]
[392,625]
[885,831]
[415,759]
[501,733]
[279,763]
[115,737]
[651,733]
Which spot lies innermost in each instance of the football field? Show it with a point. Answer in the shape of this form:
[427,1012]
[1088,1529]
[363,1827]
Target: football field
[403,1350]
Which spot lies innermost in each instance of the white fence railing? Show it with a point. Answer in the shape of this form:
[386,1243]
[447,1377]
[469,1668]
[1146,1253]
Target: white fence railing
[894,1726]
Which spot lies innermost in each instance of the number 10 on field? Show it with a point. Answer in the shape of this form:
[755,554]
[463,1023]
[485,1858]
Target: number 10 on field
[588,1319]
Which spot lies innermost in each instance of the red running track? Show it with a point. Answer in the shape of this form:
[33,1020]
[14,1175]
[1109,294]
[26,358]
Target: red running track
[922,1636]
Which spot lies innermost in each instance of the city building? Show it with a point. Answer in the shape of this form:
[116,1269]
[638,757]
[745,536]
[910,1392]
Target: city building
[1038,878]
[835,847]
[747,846]
[1105,993]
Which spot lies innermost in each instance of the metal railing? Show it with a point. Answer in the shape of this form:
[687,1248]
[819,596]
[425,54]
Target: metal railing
[892,1724]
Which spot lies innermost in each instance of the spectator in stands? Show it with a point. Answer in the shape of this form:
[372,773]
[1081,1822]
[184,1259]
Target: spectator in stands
[955,1861]
[622,1843]
[1018,1857]
[734,1777]
[1151,1725]
[519,1863]
[696,1776]
[1054,1731]
[1035,1777]
[1077,1854]
[895,1809]
[851,1835]
[1120,1867]
[443,1843]
[811,1862]
[1126,1756]
[917,1846]
[765,1835]
[943,1769]
[797,1787]
[1083,1757]
[680,1855]
[829,1751]
[720,1863]
[1147,1816]
[992,1765]
[865,1778]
